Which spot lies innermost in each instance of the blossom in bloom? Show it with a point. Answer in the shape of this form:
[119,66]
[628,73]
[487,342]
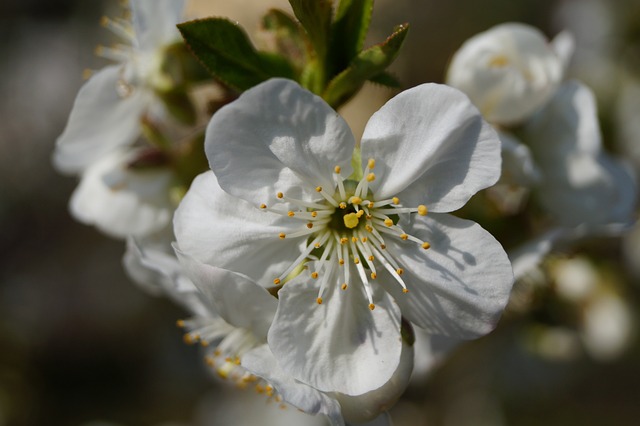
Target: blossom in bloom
[107,111]
[509,71]
[349,252]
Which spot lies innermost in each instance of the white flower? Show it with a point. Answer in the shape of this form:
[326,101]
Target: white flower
[121,200]
[108,108]
[509,71]
[280,195]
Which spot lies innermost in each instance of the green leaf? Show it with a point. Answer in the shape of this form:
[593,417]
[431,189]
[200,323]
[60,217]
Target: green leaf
[368,64]
[386,79]
[288,37]
[226,51]
[315,18]
[348,31]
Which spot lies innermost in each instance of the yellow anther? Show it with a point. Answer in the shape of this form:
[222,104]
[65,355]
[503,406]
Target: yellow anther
[498,61]
[190,339]
[337,169]
[104,21]
[374,275]
[314,214]
[217,352]
[371,258]
[355,200]
[343,205]
[341,261]
[309,225]
[276,281]
[388,222]
[344,240]
[354,239]
[368,228]
[360,213]
[291,214]
[405,290]
[426,245]
[314,275]
[395,200]
[317,245]
[86,74]
[204,343]
[372,306]
[364,239]
[404,236]
[319,300]
[368,217]
[280,195]
[259,389]
[236,361]
[263,206]
[356,260]
[282,235]
[180,323]
[400,271]
[371,177]
[210,361]
[318,189]
[344,286]
[371,163]
[383,246]
[350,220]
[422,210]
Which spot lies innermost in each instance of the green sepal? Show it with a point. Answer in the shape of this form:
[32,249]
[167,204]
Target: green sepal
[315,18]
[386,79]
[368,64]
[179,105]
[290,39]
[226,52]
[348,32]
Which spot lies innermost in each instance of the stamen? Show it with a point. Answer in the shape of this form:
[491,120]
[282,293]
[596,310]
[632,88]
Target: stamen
[320,239]
[371,177]
[422,210]
[326,196]
[319,300]
[119,28]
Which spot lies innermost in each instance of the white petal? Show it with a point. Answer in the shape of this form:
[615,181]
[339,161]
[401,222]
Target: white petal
[564,44]
[120,201]
[458,287]
[155,21]
[367,407]
[235,297]
[160,273]
[277,137]
[100,122]
[581,183]
[261,362]
[224,231]
[518,166]
[432,147]
[340,345]
[508,71]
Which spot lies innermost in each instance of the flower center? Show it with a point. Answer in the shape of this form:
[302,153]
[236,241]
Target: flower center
[348,225]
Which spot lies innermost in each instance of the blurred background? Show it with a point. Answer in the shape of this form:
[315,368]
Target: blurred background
[80,344]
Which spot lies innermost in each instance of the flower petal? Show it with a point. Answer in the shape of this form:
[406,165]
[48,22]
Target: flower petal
[518,166]
[224,231]
[100,122]
[261,362]
[432,147]
[154,21]
[340,345]
[277,137]
[581,183]
[120,201]
[235,297]
[457,288]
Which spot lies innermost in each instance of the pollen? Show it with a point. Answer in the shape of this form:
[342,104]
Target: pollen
[263,206]
[291,214]
[371,163]
[369,228]
[405,290]
[314,214]
[341,261]
[319,300]
[422,210]
[371,258]
[318,189]
[282,235]
[395,200]
[400,271]
[374,275]
[344,286]
[372,306]
[280,195]
[344,240]
[404,236]
[426,245]
[371,177]
[388,222]
[343,205]
[337,169]
[350,220]
[364,239]
[276,281]
[314,275]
